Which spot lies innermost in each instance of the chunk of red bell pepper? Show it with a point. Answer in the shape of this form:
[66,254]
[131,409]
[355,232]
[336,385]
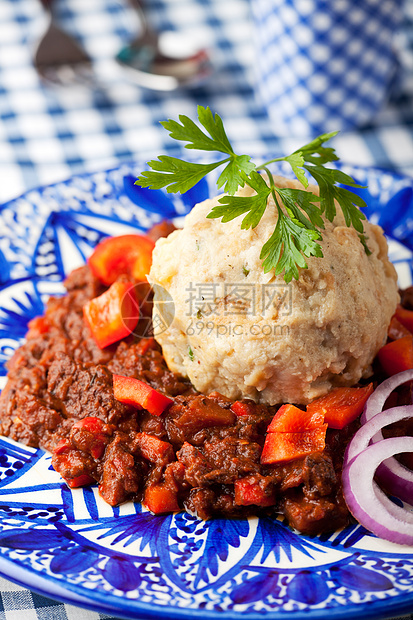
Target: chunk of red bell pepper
[91,435]
[342,405]
[248,492]
[291,419]
[154,449]
[139,394]
[241,408]
[126,254]
[113,315]
[160,499]
[282,447]
[37,326]
[396,330]
[83,480]
[397,356]
[405,317]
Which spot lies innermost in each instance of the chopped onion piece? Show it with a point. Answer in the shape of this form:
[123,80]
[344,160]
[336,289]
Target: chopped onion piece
[367,502]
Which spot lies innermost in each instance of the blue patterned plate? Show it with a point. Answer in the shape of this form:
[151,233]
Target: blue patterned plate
[70,545]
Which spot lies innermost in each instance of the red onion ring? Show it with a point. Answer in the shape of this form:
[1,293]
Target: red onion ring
[390,473]
[365,434]
[375,402]
[364,497]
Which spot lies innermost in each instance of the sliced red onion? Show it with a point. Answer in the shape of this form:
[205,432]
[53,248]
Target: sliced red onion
[375,402]
[396,478]
[390,473]
[366,433]
[367,502]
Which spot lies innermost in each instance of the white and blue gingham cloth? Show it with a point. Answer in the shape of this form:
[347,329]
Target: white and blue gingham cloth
[47,135]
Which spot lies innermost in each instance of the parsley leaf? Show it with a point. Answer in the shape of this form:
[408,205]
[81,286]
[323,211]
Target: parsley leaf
[231,207]
[300,212]
[289,243]
[235,173]
[175,174]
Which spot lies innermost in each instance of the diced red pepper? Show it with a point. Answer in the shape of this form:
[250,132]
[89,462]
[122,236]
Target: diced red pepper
[342,405]
[154,449]
[282,447]
[160,499]
[397,330]
[248,492]
[97,436]
[37,326]
[397,356]
[405,317]
[80,481]
[126,254]
[139,394]
[113,315]
[62,446]
[203,412]
[240,408]
[291,419]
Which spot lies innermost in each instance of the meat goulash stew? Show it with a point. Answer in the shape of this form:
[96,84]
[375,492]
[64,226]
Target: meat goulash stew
[112,413]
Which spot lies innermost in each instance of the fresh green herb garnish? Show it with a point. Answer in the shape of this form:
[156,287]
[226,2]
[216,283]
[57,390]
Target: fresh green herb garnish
[191,354]
[298,228]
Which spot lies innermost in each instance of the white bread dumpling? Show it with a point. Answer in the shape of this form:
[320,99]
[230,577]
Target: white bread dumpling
[248,334]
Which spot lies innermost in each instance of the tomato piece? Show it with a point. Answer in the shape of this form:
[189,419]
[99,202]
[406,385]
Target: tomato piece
[126,254]
[160,498]
[397,356]
[139,394]
[291,419]
[248,491]
[405,317]
[397,330]
[342,405]
[154,449]
[282,447]
[113,315]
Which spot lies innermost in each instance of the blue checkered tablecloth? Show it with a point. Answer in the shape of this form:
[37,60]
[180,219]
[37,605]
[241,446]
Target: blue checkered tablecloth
[46,135]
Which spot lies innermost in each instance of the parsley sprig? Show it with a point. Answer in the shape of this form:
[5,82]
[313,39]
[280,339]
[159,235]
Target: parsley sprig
[300,212]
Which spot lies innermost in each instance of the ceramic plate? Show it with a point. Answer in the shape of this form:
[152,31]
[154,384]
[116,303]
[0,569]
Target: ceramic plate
[70,545]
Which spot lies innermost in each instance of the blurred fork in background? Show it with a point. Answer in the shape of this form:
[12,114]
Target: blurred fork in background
[159,61]
[58,58]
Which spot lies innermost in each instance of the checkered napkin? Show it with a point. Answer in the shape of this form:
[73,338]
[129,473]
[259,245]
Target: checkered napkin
[16,603]
[46,135]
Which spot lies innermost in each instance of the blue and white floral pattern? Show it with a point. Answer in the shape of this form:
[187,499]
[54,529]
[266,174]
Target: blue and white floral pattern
[125,560]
